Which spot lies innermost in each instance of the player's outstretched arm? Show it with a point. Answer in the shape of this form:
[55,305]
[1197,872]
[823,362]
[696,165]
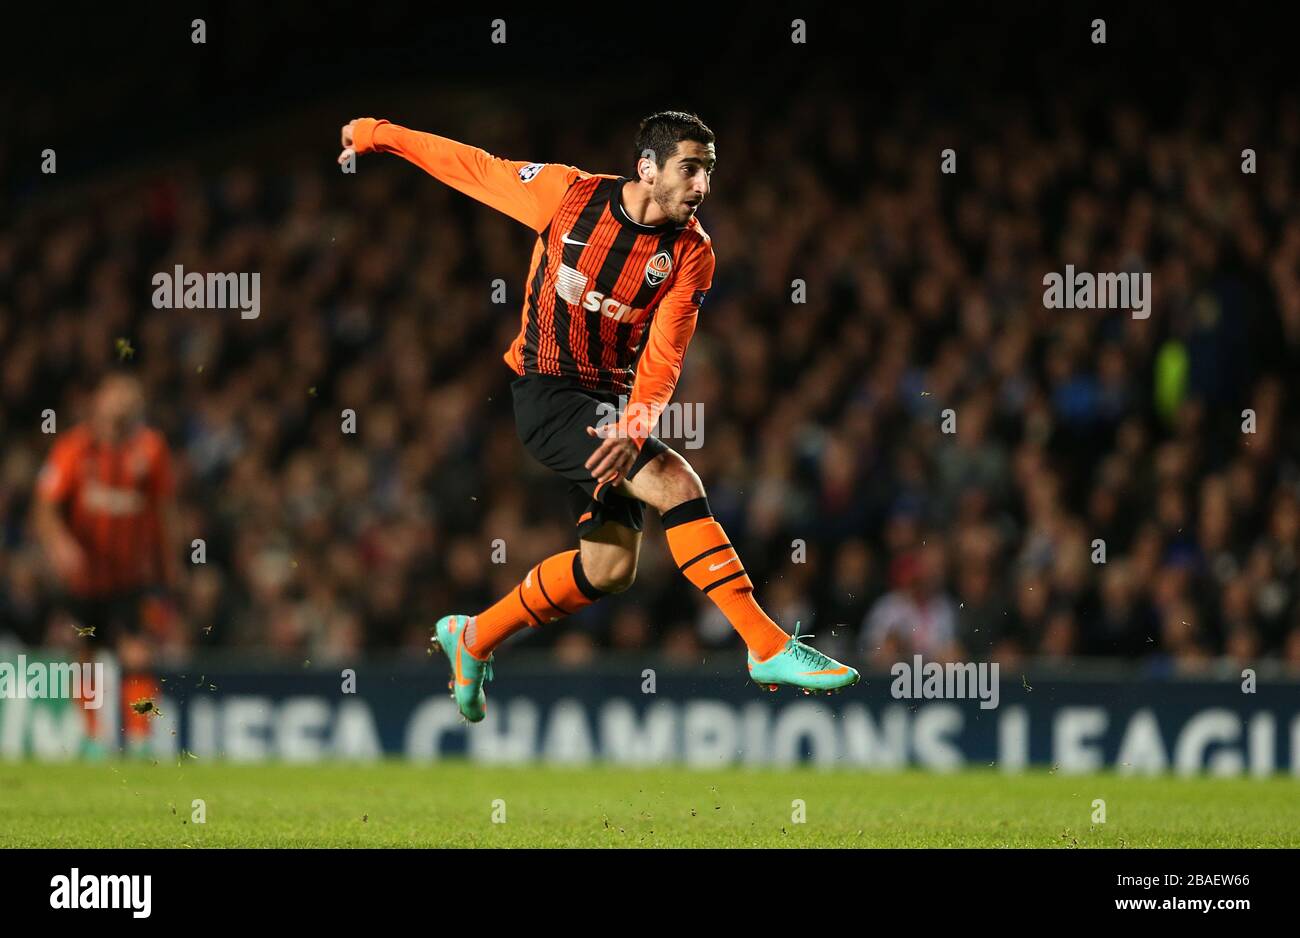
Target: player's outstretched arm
[528,192]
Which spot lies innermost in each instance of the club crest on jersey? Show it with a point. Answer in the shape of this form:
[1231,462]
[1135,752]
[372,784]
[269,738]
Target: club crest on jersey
[658,268]
[526,173]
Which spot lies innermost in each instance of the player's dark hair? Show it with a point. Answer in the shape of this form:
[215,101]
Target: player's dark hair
[660,133]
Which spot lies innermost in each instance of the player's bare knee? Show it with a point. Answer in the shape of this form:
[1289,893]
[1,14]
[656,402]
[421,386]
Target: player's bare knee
[680,483]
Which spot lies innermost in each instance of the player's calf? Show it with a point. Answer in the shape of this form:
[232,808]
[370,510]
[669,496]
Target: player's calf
[608,557]
[704,555]
[555,588]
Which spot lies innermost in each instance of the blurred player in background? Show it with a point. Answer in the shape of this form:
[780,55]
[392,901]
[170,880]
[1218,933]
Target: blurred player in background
[618,274]
[104,517]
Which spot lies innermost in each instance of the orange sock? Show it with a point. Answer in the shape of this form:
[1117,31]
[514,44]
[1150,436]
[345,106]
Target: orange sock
[704,555]
[554,588]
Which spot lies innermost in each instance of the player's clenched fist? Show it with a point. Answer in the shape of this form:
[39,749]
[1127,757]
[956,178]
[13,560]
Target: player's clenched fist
[346,138]
[358,136]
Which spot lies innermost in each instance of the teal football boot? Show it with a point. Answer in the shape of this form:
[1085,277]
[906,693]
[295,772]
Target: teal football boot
[467,672]
[802,666]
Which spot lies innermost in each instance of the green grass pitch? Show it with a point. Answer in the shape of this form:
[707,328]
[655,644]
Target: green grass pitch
[451,804]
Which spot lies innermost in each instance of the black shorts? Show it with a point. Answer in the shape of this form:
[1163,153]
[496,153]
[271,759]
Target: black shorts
[111,616]
[552,415]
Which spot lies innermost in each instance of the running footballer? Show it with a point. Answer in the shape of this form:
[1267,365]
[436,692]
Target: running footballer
[617,277]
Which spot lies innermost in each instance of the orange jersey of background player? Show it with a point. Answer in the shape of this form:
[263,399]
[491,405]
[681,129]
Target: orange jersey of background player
[608,303]
[111,496]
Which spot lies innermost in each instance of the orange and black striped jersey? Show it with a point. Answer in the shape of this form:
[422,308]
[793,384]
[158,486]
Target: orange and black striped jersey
[111,494]
[609,303]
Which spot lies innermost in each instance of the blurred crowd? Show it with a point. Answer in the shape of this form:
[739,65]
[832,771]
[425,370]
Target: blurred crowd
[1113,487]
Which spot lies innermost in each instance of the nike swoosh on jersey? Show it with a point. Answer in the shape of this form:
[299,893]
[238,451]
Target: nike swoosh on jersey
[565,238]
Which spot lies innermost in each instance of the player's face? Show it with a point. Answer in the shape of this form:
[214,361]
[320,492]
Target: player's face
[683,183]
[117,410]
